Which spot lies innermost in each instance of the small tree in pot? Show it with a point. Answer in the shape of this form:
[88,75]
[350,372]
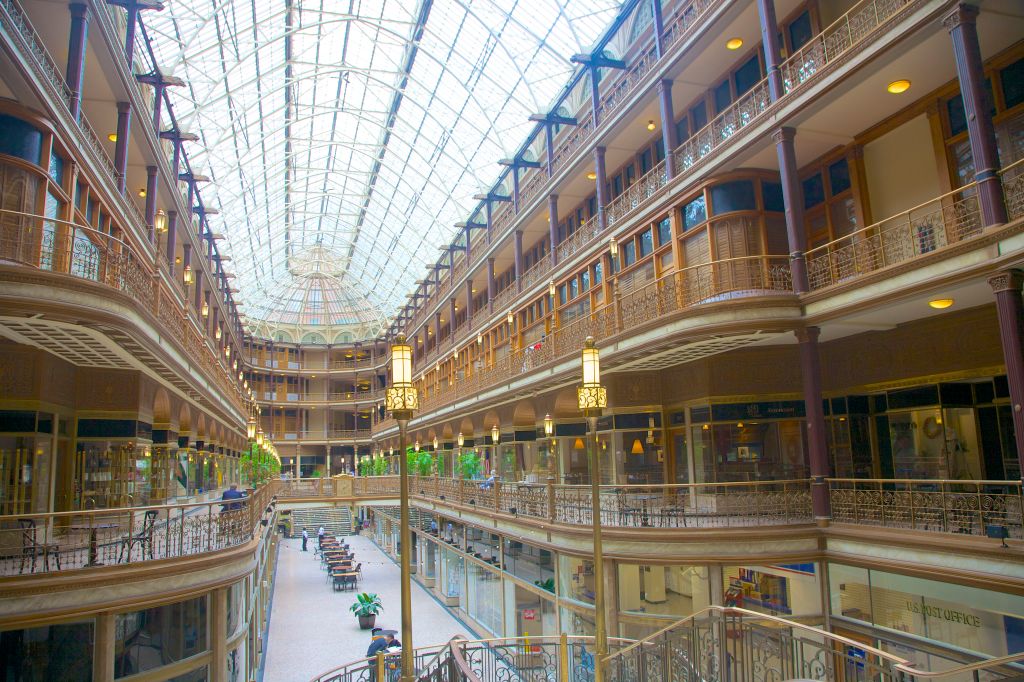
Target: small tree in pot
[366,608]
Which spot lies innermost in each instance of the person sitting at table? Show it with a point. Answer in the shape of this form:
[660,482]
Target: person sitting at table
[232,493]
[488,484]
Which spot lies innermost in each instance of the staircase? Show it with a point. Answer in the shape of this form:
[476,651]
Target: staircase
[335,520]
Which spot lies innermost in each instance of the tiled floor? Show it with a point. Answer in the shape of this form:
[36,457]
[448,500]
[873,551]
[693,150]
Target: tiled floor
[311,628]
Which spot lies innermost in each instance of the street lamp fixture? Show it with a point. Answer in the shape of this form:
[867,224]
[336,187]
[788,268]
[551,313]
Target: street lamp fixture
[461,439]
[435,443]
[186,275]
[259,438]
[613,247]
[549,425]
[250,429]
[511,319]
[592,397]
[205,310]
[160,221]
[402,401]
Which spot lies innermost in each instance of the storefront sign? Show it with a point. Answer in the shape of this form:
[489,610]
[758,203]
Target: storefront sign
[529,614]
[945,613]
[781,409]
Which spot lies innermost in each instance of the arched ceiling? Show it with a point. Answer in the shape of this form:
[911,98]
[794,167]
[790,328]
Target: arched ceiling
[357,132]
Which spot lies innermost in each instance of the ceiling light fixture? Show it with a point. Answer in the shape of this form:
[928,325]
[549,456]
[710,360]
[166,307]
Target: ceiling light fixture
[142,193]
[650,125]
[112,137]
[940,303]
[591,175]
[734,43]
[898,87]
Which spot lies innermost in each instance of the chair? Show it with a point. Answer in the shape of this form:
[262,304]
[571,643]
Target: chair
[144,537]
[31,547]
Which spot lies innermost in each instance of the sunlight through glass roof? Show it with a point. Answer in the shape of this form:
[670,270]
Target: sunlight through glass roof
[353,135]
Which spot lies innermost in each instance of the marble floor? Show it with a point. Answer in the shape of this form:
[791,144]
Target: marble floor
[311,628]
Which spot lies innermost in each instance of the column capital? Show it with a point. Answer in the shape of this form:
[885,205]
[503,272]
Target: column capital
[807,334]
[664,84]
[79,10]
[1007,280]
[552,197]
[963,13]
[599,151]
[785,134]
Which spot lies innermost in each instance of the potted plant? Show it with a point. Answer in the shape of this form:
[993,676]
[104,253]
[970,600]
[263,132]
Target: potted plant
[366,608]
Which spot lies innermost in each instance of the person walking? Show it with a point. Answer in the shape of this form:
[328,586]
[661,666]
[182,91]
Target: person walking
[320,537]
[305,539]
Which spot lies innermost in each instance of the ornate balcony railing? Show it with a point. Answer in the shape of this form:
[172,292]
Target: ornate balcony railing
[82,252]
[963,507]
[65,541]
[348,397]
[924,229]
[586,233]
[1012,178]
[637,194]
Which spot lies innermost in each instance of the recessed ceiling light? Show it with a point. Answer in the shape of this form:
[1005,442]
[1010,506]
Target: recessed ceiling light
[142,193]
[941,303]
[591,175]
[650,125]
[900,86]
[734,43]
[112,137]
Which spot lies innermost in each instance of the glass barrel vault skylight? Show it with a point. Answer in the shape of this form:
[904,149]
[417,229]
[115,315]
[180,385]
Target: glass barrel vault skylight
[344,139]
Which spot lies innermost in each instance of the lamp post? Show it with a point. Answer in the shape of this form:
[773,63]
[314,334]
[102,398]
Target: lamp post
[461,441]
[592,398]
[549,431]
[402,400]
[495,435]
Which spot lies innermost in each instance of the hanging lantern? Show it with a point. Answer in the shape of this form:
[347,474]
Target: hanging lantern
[160,221]
[186,275]
[205,310]
[461,439]
[549,425]
[495,434]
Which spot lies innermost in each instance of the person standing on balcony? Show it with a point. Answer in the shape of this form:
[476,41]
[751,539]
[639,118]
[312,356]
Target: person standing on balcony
[305,539]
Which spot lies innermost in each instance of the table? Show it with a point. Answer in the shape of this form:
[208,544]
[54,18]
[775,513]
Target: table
[93,542]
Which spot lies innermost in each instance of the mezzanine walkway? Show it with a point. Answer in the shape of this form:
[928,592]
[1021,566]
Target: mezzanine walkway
[311,628]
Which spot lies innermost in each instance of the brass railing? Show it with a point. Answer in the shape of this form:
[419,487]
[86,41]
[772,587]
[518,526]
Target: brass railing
[923,229]
[64,541]
[1012,178]
[323,397]
[965,507]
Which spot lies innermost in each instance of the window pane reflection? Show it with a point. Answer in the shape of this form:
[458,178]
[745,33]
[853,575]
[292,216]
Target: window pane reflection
[149,639]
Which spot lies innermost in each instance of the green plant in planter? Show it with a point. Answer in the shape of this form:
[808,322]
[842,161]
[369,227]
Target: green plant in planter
[366,608]
[439,463]
[365,466]
[469,464]
[380,466]
[548,585]
[421,462]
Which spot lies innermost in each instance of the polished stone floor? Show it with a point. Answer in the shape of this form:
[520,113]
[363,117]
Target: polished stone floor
[311,628]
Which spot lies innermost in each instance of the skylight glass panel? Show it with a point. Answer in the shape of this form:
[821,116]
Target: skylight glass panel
[322,145]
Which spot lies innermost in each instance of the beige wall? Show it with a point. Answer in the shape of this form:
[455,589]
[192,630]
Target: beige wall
[901,170]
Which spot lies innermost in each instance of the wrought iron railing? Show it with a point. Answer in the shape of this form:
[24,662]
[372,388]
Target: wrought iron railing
[921,230]
[82,252]
[729,644]
[1012,178]
[72,540]
[944,506]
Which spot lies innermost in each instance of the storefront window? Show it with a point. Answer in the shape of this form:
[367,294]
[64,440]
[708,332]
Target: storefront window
[528,614]
[483,596]
[50,652]
[530,563]
[676,591]
[576,579]
[236,663]
[935,443]
[787,590]
[984,621]
[452,566]
[756,451]
[113,474]
[236,608]
[153,638]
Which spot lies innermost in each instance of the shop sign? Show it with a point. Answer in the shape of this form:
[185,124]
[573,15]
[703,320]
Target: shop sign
[529,614]
[945,613]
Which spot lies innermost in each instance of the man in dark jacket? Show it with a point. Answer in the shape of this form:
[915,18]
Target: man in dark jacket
[232,493]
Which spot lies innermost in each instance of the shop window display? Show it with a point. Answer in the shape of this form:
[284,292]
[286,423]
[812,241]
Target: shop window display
[113,474]
[528,613]
[787,590]
[935,443]
[153,638]
[979,620]
[576,579]
[49,652]
[667,591]
[483,596]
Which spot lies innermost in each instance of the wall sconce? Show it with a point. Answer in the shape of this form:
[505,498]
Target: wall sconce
[186,275]
[511,319]
[160,221]
[205,310]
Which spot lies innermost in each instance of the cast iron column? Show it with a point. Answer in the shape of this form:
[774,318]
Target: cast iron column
[553,226]
[131,19]
[469,303]
[549,147]
[1007,288]
[172,230]
[151,201]
[658,28]
[76,56]
[515,189]
[469,245]
[668,122]
[519,259]
[600,182]
[810,375]
[770,45]
[595,96]
[962,26]
[490,285]
[792,196]
[124,127]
